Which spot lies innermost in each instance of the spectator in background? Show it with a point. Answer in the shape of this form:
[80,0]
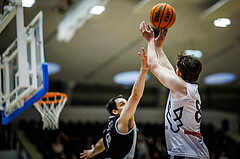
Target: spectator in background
[57,147]
[62,156]
[89,141]
[64,140]
[161,148]
[225,125]
[223,155]
[142,149]
[151,145]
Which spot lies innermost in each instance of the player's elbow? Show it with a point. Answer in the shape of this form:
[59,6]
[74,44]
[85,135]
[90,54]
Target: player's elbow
[136,96]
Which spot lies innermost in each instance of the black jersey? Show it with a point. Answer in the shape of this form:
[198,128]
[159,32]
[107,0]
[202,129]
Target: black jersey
[119,145]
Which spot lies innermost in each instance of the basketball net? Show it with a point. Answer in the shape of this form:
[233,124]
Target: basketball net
[50,107]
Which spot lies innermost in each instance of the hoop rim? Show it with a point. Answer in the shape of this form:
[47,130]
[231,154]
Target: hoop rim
[51,95]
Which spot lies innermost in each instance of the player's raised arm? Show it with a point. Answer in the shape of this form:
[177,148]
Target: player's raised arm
[127,116]
[167,77]
[162,58]
[98,148]
[148,34]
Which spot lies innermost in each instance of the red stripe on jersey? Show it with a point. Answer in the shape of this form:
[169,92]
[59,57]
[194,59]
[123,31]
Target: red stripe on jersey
[194,134]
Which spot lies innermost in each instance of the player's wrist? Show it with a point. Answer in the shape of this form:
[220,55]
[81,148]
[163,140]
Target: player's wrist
[148,39]
[144,69]
[159,48]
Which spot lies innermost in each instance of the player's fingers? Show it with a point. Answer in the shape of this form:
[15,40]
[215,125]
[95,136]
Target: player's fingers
[139,53]
[82,155]
[150,28]
[165,32]
[140,27]
[144,26]
[143,50]
[160,31]
[158,37]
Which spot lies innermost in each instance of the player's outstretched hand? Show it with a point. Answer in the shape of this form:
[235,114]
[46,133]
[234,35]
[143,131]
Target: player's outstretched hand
[143,57]
[147,34]
[161,38]
[87,153]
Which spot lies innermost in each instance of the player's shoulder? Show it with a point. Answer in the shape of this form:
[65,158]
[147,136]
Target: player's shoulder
[180,90]
[192,87]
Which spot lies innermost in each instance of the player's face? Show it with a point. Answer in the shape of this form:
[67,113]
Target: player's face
[120,103]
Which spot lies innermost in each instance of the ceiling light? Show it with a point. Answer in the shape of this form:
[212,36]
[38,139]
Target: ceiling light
[76,17]
[53,68]
[28,3]
[97,10]
[219,78]
[194,53]
[222,22]
[127,78]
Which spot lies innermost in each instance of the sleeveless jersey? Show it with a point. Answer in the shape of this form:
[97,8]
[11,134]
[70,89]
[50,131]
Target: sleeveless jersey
[119,145]
[182,125]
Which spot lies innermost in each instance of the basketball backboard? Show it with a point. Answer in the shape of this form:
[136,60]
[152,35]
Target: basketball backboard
[24,74]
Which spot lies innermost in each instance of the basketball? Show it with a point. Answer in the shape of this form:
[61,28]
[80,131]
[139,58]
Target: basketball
[162,15]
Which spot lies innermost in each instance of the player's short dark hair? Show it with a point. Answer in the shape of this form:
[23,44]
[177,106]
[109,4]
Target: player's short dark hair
[189,66]
[111,104]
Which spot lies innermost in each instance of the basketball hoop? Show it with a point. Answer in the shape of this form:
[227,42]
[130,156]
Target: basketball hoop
[50,107]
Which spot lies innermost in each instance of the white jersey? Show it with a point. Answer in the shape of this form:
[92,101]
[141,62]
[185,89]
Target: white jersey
[182,125]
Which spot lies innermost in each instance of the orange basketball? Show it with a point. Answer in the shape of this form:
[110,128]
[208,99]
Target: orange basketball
[162,15]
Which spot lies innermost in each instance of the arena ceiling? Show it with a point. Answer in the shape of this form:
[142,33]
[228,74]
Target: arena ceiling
[107,44]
